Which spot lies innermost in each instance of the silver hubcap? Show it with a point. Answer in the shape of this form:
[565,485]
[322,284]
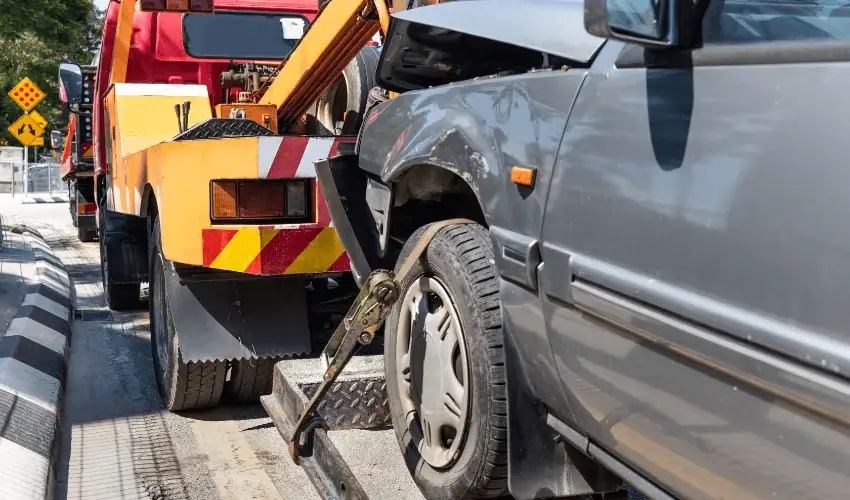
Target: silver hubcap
[433,371]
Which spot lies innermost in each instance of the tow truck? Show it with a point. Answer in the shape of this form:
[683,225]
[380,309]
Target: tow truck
[77,163]
[206,190]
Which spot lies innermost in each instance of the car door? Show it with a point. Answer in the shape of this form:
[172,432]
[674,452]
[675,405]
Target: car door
[694,254]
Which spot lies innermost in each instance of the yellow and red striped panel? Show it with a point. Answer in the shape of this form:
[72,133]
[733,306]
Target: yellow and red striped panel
[285,249]
[87,149]
[301,250]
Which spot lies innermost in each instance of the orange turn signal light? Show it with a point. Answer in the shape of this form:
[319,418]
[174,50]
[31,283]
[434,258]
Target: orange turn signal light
[86,208]
[523,176]
[224,200]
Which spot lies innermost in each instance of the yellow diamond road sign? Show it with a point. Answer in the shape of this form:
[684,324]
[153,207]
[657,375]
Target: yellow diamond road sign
[38,142]
[26,130]
[36,116]
[26,94]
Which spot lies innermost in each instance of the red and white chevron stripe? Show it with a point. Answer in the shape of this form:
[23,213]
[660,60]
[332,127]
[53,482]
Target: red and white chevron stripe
[293,157]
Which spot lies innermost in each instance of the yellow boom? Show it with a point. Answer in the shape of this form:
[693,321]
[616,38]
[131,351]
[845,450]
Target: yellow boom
[342,28]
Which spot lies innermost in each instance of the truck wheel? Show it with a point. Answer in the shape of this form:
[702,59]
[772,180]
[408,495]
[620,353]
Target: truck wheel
[340,109]
[249,379]
[118,296]
[445,368]
[183,386]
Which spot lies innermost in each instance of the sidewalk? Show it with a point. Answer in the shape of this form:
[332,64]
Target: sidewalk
[17,271]
[35,312]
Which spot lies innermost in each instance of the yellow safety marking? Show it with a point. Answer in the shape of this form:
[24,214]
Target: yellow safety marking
[319,255]
[241,251]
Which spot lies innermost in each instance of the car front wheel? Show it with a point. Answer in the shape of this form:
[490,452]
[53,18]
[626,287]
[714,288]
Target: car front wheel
[445,368]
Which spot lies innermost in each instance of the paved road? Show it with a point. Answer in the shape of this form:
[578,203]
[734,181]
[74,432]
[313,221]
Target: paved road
[118,442]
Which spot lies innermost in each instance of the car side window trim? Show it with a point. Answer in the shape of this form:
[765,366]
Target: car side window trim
[802,52]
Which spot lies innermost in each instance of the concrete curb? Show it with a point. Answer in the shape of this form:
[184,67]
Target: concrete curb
[45,198]
[33,354]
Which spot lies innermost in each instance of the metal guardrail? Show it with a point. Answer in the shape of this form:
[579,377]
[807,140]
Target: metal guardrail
[43,178]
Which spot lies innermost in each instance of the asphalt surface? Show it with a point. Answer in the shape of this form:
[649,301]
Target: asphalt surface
[117,440]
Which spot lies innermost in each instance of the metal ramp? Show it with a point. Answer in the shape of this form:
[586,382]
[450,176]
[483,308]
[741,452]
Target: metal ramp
[353,453]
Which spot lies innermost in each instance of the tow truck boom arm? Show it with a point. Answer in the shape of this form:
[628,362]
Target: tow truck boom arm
[340,30]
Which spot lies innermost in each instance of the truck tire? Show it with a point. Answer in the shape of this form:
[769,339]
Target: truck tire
[183,386]
[118,296]
[249,379]
[339,110]
[458,374]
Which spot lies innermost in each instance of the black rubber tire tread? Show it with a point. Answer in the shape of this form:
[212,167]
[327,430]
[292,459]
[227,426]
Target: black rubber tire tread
[360,77]
[183,386]
[461,257]
[250,379]
[118,296]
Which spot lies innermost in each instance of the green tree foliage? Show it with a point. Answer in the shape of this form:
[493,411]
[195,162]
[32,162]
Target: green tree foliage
[35,36]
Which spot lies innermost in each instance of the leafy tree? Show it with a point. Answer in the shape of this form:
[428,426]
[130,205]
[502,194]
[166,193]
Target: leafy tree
[35,36]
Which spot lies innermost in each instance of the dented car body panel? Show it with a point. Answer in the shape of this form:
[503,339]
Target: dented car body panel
[477,130]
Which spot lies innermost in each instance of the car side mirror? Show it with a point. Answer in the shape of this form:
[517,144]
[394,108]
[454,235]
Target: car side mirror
[56,139]
[654,24]
[70,84]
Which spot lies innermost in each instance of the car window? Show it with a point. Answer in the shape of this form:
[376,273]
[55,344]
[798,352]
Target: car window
[765,21]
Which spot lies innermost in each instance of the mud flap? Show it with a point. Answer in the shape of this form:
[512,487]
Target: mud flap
[236,319]
[126,243]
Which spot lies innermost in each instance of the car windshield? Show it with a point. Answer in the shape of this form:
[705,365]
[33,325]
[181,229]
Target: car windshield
[230,35]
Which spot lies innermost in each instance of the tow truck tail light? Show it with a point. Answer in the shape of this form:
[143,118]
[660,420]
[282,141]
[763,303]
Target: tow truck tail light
[224,200]
[196,6]
[86,208]
[260,200]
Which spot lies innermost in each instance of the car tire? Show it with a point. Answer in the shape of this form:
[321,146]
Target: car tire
[183,386]
[118,296]
[457,265]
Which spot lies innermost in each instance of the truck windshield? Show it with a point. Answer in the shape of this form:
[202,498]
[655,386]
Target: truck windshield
[252,36]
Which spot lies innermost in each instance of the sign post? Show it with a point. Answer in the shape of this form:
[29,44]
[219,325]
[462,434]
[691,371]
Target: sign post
[29,128]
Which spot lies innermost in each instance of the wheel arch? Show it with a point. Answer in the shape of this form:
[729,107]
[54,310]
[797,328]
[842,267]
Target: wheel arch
[149,205]
[426,192]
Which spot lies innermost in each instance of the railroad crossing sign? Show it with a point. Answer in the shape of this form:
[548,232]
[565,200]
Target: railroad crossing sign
[42,121]
[26,94]
[26,130]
